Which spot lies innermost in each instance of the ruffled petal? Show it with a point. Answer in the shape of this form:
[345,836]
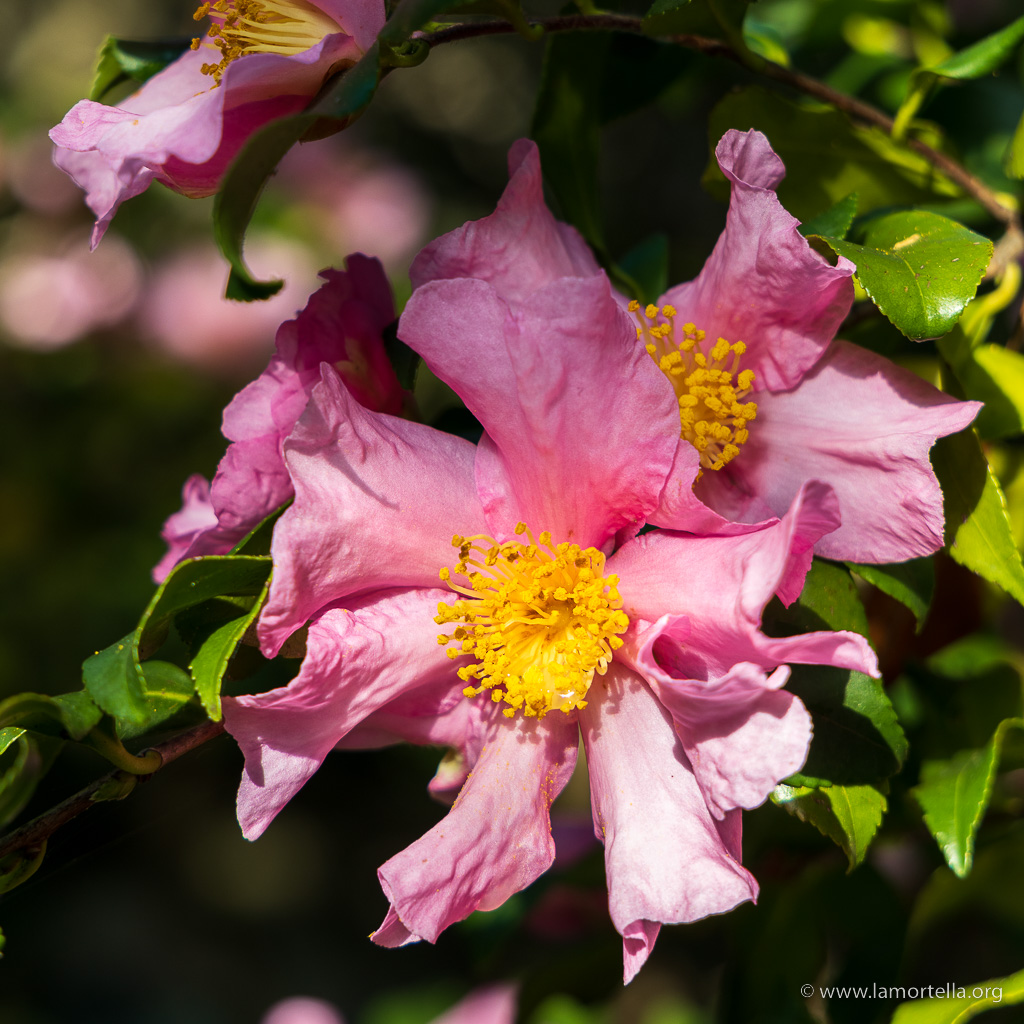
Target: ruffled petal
[182,529]
[665,859]
[763,284]
[519,248]
[723,582]
[376,502]
[496,839]
[865,426]
[741,733]
[357,660]
[638,941]
[581,426]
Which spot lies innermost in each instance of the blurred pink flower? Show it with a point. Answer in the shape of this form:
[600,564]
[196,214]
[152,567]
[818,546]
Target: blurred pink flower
[341,325]
[185,125]
[758,415]
[302,1010]
[47,301]
[184,311]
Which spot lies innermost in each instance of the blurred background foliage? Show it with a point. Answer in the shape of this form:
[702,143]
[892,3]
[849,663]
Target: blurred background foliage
[115,368]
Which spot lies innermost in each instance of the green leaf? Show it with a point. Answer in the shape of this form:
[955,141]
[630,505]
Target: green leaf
[954,795]
[1013,159]
[912,583]
[834,221]
[411,15]
[826,156]
[647,264]
[33,758]
[717,19]
[958,1009]
[984,56]
[122,60]
[920,269]
[191,583]
[72,714]
[20,866]
[978,533]
[848,815]
[857,737]
[991,374]
[566,126]
[137,696]
[211,660]
[342,102]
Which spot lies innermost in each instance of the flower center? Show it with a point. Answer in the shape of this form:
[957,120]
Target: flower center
[239,27]
[539,619]
[710,386]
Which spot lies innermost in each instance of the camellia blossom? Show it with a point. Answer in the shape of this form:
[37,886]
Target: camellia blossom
[767,400]
[543,617]
[342,325]
[260,60]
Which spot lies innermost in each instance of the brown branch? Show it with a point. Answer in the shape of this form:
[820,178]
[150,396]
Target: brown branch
[32,835]
[855,108]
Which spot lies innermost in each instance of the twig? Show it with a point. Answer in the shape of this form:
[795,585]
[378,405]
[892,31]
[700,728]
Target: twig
[33,834]
[855,108]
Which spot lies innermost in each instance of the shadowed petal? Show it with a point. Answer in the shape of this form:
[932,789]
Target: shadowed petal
[763,284]
[495,840]
[376,502]
[665,859]
[579,421]
[357,660]
[519,248]
[866,426]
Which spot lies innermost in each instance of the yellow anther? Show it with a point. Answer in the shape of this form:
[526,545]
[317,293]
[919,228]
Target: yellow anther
[633,306]
[539,622]
[240,27]
[708,382]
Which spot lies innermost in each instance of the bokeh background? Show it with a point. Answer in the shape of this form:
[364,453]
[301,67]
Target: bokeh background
[114,368]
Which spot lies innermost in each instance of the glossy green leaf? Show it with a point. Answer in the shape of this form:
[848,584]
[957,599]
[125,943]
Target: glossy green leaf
[965,1003]
[340,104]
[978,532]
[567,127]
[848,815]
[857,737]
[194,581]
[954,795]
[647,264]
[137,696]
[984,56]
[912,583]
[1013,159]
[826,156]
[71,715]
[920,269]
[211,660]
[834,221]
[991,374]
[122,60]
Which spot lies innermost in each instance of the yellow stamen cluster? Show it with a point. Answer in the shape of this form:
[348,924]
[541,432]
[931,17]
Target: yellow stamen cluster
[239,27]
[710,385]
[539,619]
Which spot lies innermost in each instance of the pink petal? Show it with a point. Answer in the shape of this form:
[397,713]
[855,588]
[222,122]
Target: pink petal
[496,839]
[665,859]
[181,529]
[361,19]
[865,426]
[763,284]
[741,733]
[581,426]
[377,500]
[492,1004]
[638,941]
[357,660]
[519,248]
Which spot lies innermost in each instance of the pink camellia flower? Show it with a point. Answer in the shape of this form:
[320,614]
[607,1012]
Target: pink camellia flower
[261,59]
[766,399]
[342,325]
[555,619]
